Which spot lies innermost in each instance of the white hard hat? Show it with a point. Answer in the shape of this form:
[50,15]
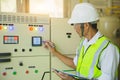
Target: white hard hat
[83,12]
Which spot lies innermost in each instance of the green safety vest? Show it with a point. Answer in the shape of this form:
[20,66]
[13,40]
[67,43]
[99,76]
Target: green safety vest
[87,65]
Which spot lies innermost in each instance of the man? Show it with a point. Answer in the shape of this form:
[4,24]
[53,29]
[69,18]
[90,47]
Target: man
[96,57]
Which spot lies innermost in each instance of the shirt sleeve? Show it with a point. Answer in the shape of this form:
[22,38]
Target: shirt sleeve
[76,57]
[109,61]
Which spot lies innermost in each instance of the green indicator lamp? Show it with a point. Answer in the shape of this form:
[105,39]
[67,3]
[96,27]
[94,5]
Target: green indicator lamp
[14,73]
[36,71]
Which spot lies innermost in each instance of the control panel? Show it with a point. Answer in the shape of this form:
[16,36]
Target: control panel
[22,54]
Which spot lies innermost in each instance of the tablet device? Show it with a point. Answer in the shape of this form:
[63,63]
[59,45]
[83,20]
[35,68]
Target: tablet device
[70,74]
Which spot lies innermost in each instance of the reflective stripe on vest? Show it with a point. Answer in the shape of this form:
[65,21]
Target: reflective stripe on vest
[87,62]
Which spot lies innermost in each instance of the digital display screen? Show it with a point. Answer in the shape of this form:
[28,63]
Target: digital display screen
[8,39]
[36,41]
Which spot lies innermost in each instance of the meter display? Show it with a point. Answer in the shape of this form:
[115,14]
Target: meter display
[36,41]
[8,39]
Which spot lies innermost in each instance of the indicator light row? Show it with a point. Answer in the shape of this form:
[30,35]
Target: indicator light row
[9,27]
[36,28]
[15,72]
[32,28]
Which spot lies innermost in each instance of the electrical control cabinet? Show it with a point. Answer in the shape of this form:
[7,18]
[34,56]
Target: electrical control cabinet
[22,54]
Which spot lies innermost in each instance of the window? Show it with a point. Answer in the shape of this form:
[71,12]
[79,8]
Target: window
[8,5]
[52,7]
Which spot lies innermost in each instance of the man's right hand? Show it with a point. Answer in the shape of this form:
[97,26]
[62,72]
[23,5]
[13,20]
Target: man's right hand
[50,45]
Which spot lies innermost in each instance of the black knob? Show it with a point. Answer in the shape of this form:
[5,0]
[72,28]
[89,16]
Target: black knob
[21,63]
[23,50]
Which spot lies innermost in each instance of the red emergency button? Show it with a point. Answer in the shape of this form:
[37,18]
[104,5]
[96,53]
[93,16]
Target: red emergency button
[4,73]
[27,72]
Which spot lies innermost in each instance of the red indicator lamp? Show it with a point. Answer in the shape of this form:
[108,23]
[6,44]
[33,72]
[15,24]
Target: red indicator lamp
[5,38]
[15,37]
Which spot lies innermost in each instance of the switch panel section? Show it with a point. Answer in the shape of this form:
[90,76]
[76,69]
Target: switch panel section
[25,68]
[22,55]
